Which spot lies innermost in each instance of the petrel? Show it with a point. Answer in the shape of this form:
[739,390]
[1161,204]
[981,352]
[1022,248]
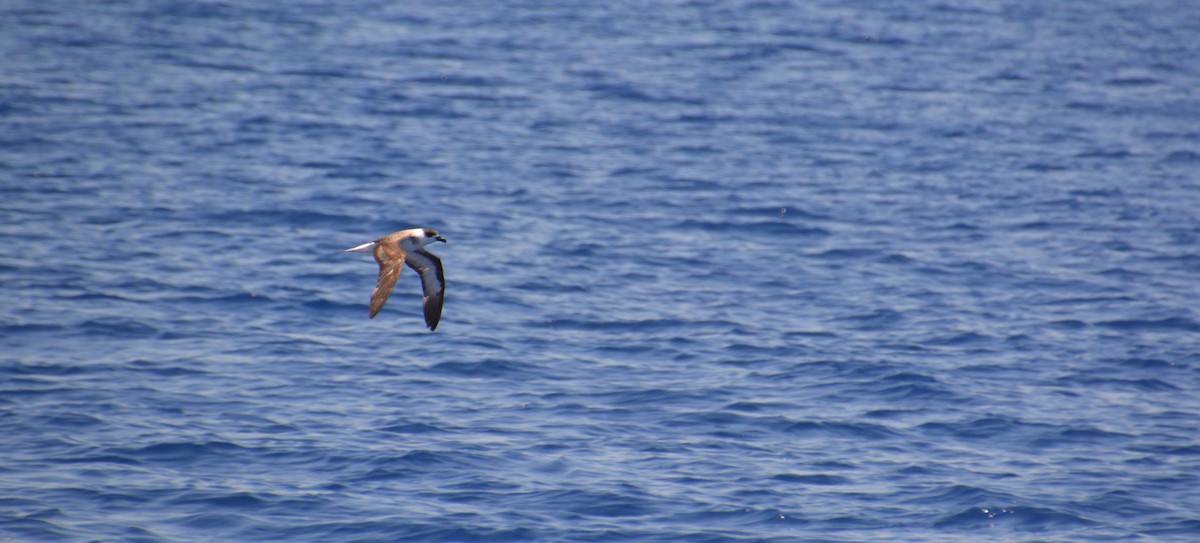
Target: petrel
[395,250]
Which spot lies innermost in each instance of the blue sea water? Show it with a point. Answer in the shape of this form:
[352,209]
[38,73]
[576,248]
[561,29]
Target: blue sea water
[718,271]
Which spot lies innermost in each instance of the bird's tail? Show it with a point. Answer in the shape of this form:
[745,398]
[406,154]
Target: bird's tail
[364,248]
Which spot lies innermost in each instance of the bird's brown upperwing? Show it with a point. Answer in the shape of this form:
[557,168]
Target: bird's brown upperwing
[390,257]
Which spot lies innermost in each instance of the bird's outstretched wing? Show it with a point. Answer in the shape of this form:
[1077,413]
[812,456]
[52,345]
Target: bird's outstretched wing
[391,262]
[433,284]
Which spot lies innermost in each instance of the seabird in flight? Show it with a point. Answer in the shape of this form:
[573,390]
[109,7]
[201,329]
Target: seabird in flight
[395,250]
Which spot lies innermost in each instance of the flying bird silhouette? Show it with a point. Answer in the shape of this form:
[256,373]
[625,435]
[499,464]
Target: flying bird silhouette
[395,250]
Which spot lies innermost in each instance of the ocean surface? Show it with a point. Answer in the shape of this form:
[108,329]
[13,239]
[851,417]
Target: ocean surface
[718,271]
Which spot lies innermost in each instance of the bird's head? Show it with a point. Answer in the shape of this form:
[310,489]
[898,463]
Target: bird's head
[430,235]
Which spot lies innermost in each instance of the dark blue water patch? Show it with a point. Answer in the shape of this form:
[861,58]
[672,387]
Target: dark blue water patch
[818,479]
[697,184]
[651,398]
[809,371]
[1148,363]
[364,169]
[217,12]
[574,250]
[614,506]
[182,451]
[1177,526]
[103,460]
[34,528]
[751,354]
[421,463]
[432,111]
[882,319]
[1085,435]
[749,406]
[213,522]
[1171,450]
[1123,274]
[640,326]
[988,428]
[895,414]
[863,522]
[79,421]
[22,390]
[750,228]
[752,519]
[118,328]
[492,368]
[567,406]
[1184,262]
[115,296]
[385,474]
[1106,154]
[1067,324]
[897,259]
[411,428]
[460,81]
[1103,383]
[326,307]
[240,501]
[1181,156]
[636,93]
[647,353]
[964,339]
[561,286]
[1167,324]
[137,534]
[366,531]
[163,369]
[46,369]
[1013,519]
[848,254]
[312,73]
[138,289]
[223,65]
[1120,503]
[700,119]
[784,212]
[1132,81]
[1088,300]
[809,334]
[859,430]
[948,495]
[628,503]
[278,217]
[223,299]
[911,387]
